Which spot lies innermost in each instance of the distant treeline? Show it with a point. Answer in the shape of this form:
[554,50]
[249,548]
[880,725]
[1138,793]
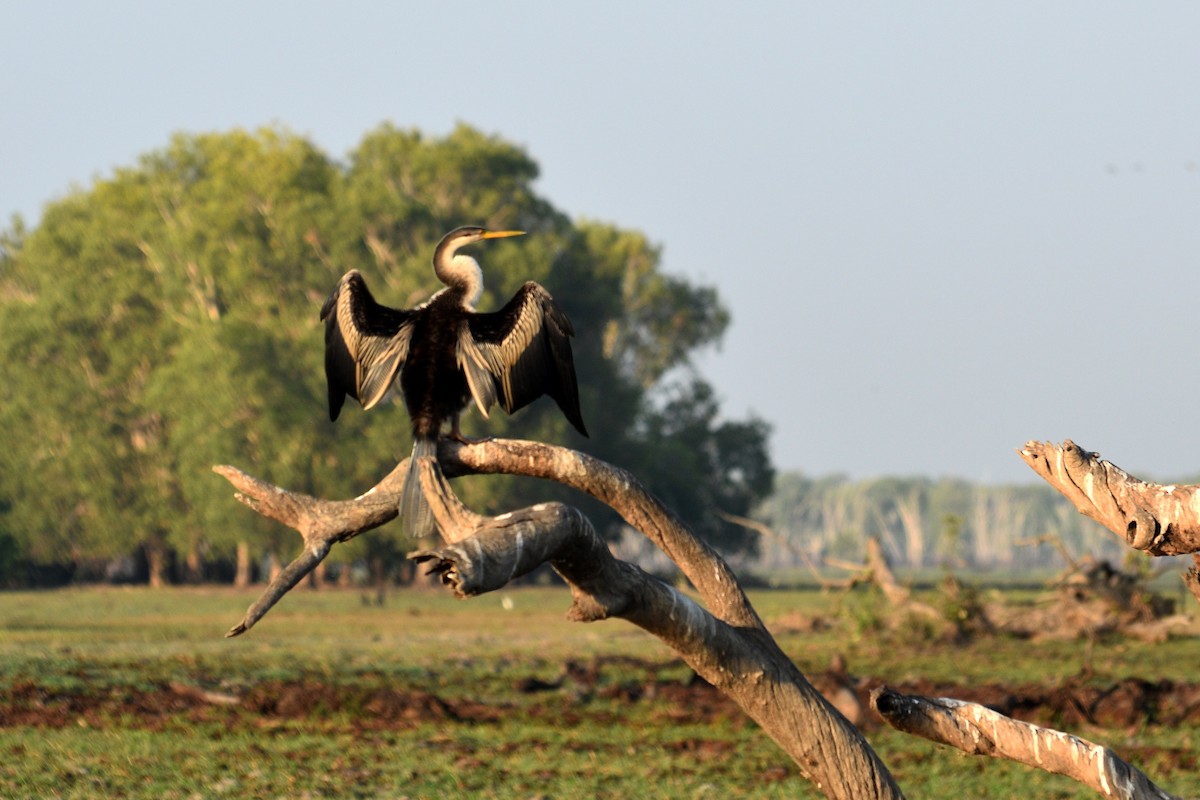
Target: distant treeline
[923,522]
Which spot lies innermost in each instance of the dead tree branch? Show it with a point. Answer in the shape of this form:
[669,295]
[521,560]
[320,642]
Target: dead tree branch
[767,532]
[322,523]
[978,730]
[726,643]
[1156,519]
[1052,539]
[876,570]
[885,579]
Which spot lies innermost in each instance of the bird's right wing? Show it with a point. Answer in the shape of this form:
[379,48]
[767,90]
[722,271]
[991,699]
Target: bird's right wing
[365,343]
[519,353]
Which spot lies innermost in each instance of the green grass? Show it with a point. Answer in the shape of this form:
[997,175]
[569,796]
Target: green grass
[116,643]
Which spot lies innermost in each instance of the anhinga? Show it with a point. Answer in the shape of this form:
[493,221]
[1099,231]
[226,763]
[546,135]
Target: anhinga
[446,354]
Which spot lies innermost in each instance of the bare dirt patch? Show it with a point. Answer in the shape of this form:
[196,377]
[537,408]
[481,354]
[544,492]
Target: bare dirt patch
[1071,705]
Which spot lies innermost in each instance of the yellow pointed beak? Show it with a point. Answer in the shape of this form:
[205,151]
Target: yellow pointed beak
[502,234]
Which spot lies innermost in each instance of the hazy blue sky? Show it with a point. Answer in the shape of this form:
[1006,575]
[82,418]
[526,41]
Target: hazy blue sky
[942,228]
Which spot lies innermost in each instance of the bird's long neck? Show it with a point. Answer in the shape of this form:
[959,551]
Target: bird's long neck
[462,276]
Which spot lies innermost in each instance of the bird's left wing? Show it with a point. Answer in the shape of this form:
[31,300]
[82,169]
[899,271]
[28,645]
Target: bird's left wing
[521,352]
[365,343]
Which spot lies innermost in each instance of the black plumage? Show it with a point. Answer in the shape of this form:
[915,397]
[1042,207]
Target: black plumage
[445,354]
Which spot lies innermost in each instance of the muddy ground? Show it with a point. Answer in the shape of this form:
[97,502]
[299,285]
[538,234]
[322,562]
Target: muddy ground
[1072,705]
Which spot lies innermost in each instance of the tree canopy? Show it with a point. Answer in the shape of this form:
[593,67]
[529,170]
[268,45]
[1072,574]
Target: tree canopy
[164,319]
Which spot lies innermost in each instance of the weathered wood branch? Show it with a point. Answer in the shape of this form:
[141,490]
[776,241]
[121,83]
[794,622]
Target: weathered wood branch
[624,493]
[743,662]
[978,730]
[767,532]
[1056,541]
[322,523]
[1156,519]
[726,644]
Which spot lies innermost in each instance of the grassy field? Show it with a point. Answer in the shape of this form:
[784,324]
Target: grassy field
[134,693]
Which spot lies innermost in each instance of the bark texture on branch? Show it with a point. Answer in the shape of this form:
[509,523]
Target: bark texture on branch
[322,523]
[624,493]
[726,643]
[978,730]
[1156,519]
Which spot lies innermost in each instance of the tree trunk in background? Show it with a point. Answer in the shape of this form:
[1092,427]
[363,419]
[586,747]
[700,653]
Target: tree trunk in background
[241,578]
[156,562]
[379,578]
[194,566]
[909,510]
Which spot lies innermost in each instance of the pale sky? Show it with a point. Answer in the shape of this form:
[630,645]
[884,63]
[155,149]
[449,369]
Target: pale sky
[941,228]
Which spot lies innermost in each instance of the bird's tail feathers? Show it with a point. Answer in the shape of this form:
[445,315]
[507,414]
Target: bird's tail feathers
[415,514]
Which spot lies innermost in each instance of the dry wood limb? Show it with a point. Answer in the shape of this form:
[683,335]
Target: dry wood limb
[849,566]
[1156,519]
[883,576]
[978,730]
[860,574]
[1052,539]
[204,695]
[874,570]
[898,596]
[624,493]
[729,646]
[322,523]
[769,533]
[742,661]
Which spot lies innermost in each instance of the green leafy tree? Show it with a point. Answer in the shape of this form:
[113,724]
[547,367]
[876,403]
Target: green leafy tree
[165,319]
[141,300]
[701,465]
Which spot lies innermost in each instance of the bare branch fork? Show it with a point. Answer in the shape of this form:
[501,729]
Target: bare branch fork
[322,523]
[726,643]
[978,730]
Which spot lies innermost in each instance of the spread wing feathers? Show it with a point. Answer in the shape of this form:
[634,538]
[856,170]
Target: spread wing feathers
[365,343]
[519,353]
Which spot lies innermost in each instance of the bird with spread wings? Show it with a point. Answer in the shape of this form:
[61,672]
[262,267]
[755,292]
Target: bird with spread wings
[444,354]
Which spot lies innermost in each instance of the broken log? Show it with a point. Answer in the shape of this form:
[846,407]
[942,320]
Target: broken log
[1162,520]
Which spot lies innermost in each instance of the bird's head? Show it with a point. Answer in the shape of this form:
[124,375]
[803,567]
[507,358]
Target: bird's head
[461,237]
[461,270]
